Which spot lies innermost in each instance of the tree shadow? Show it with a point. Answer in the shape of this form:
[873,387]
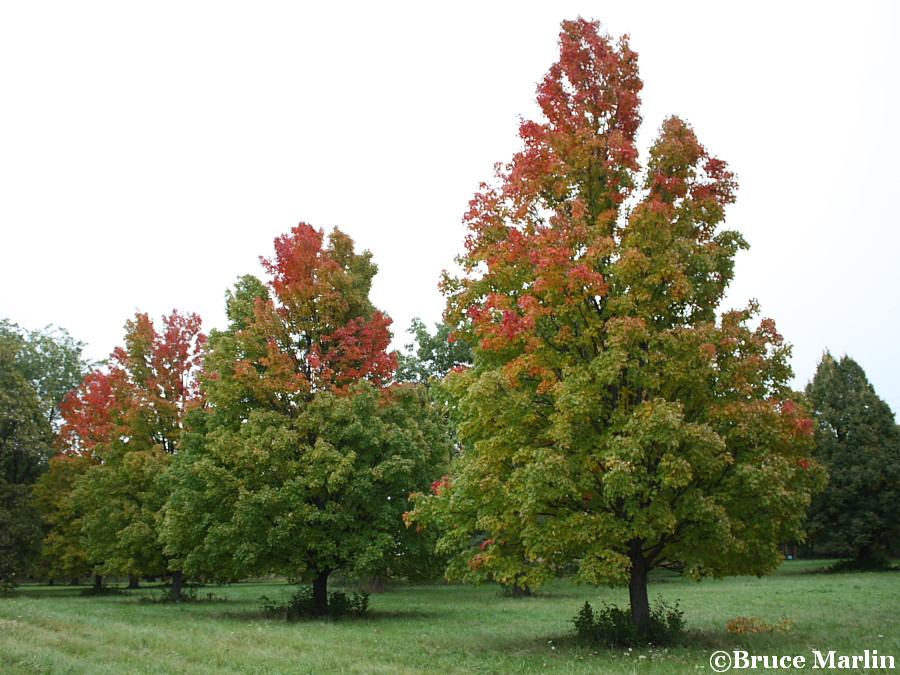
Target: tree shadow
[374,616]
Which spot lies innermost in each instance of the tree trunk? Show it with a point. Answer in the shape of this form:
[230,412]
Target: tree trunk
[74,581]
[871,556]
[637,587]
[320,592]
[177,583]
[98,583]
[520,592]
[376,585]
[523,591]
[133,582]
[51,581]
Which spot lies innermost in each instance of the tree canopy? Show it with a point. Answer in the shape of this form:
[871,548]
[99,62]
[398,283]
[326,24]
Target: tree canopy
[858,441]
[126,420]
[611,421]
[37,369]
[307,453]
[429,358]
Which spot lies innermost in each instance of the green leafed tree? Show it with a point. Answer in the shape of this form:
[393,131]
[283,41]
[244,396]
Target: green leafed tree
[614,421]
[64,553]
[25,446]
[51,360]
[307,455]
[858,441]
[37,368]
[425,362]
[430,357]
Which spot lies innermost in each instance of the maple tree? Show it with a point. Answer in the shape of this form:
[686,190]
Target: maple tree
[304,459]
[87,414]
[611,422]
[126,422]
[858,441]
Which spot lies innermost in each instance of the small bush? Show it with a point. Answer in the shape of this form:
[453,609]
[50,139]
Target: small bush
[743,625]
[877,564]
[612,626]
[301,606]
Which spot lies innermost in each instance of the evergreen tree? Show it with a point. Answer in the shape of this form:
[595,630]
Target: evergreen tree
[858,514]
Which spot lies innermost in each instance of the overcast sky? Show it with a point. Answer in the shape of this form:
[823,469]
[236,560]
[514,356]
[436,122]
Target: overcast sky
[149,154]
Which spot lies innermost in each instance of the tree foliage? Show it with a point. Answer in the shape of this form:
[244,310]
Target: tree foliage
[611,422]
[425,363]
[63,550]
[429,358]
[126,423]
[307,454]
[858,514]
[37,368]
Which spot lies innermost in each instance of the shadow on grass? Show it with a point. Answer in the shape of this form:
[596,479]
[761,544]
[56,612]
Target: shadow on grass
[848,566]
[376,616]
[48,592]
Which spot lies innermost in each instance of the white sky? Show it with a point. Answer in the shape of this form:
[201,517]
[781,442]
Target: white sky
[150,153]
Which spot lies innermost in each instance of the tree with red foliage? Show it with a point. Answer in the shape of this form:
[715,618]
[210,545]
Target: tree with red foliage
[308,453]
[611,422]
[127,420]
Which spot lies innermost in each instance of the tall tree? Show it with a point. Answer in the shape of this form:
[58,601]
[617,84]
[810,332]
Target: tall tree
[309,454]
[36,370]
[129,418]
[858,441]
[89,418]
[610,422]
[425,362]
[25,442]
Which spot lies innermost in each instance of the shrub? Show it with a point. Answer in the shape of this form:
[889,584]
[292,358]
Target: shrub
[301,605]
[743,625]
[612,626]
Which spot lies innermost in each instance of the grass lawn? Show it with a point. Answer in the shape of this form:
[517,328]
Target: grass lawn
[439,629]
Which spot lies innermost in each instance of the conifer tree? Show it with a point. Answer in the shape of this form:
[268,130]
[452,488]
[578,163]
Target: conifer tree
[857,440]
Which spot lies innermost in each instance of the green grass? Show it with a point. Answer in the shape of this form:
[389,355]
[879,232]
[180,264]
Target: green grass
[438,629]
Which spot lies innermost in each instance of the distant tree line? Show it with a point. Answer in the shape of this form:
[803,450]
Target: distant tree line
[286,443]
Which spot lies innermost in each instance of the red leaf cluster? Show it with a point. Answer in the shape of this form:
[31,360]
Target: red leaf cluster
[321,330]
[144,393]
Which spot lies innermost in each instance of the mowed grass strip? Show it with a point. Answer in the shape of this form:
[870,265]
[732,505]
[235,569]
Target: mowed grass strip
[438,629]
